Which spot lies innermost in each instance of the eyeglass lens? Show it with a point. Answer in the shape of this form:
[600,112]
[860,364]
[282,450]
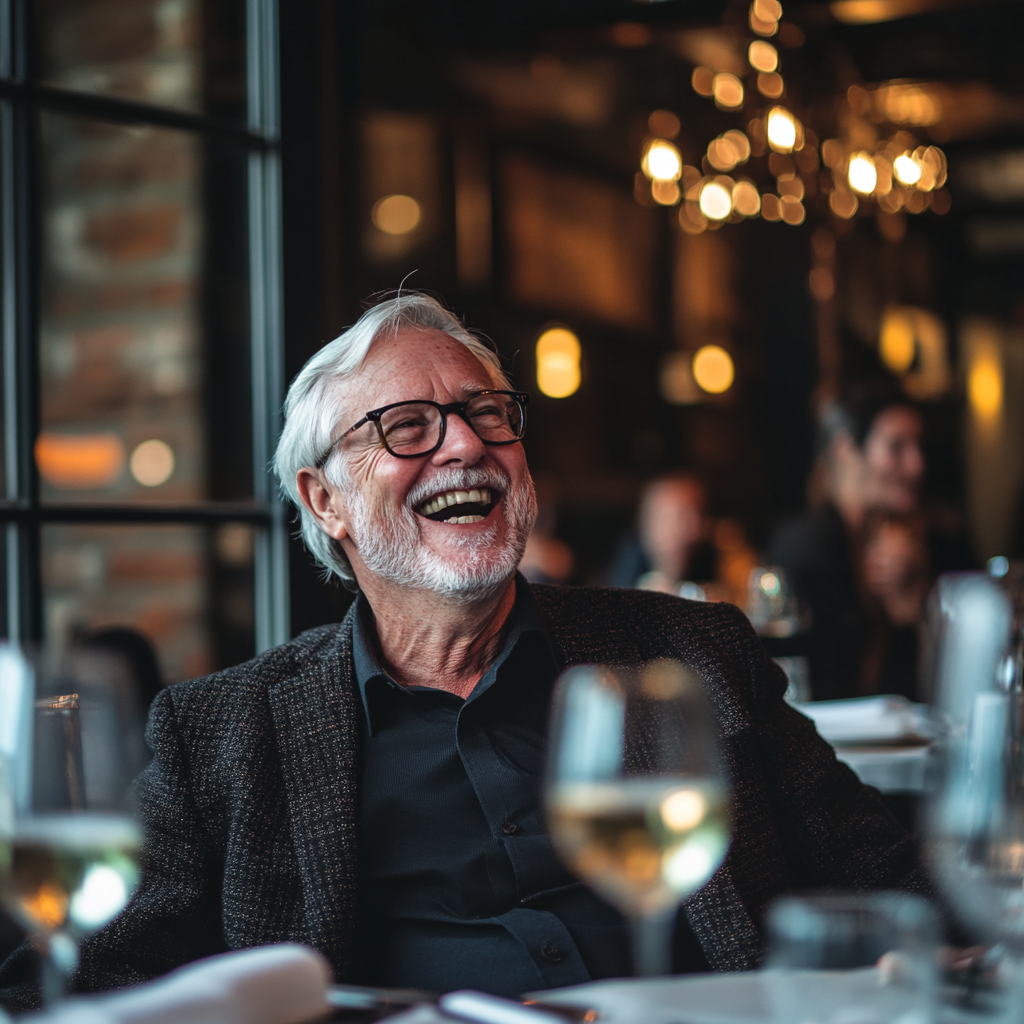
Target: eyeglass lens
[413,428]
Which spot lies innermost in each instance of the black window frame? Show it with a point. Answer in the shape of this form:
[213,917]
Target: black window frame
[22,514]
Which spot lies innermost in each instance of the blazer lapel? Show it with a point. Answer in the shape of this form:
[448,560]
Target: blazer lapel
[723,925]
[314,715]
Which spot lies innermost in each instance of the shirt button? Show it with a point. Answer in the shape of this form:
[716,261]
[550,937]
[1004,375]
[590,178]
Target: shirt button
[509,828]
[552,953]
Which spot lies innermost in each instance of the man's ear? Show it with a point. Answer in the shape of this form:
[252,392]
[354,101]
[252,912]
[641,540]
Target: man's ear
[322,500]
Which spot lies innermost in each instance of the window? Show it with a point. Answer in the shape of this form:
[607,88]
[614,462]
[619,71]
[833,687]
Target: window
[141,321]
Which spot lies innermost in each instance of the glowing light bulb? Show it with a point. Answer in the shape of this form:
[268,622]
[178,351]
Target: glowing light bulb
[661,161]
[715,201]
[781,130]
[906,169]
[861,174]
[396,215]
[558,362]
[713,369]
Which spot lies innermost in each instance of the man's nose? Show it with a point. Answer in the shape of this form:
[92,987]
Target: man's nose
[461,442]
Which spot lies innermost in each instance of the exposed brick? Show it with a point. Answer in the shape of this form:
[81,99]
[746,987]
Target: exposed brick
[135,233]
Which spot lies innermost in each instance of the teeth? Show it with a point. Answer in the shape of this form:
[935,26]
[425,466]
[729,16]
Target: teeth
[467,519]
[440,501]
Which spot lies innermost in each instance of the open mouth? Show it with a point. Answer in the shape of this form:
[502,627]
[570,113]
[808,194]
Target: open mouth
[457,507]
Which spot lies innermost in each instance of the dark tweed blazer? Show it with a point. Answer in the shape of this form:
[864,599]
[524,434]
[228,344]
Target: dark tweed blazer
[249,802]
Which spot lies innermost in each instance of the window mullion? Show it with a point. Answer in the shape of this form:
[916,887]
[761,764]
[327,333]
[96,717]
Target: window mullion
[271,547]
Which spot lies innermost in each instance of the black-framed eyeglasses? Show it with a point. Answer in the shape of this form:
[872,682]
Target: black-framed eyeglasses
[410,430]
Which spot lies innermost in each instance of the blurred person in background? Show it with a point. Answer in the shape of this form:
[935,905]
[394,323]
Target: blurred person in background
[860,560]
[670,546]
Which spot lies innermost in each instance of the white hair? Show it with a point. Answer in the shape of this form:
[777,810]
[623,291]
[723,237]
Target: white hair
[312,412]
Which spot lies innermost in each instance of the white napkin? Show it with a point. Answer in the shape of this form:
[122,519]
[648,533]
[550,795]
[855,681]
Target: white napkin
[283,984]
[868,719]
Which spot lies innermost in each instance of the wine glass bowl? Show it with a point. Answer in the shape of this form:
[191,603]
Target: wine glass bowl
[975,819]
[72,746]
[637,804]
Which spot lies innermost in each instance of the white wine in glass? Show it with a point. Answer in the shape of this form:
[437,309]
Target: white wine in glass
[72,746]
[636,803]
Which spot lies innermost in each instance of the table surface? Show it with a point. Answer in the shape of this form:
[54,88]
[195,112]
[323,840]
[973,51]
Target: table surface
[702,999]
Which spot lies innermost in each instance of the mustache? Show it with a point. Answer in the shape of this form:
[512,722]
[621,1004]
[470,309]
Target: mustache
[453,479]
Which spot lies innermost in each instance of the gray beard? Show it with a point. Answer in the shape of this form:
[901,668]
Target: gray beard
[389,543]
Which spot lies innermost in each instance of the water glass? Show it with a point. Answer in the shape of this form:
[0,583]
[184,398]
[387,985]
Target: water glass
[853,959]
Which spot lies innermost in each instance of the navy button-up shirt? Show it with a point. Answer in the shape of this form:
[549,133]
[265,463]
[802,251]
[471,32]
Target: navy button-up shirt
[462,887]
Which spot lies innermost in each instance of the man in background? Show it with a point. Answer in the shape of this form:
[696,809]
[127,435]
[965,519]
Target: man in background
[670,546]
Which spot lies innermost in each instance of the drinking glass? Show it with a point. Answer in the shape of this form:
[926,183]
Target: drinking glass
[852,959]
[71,740]
[637,802]
[975,814]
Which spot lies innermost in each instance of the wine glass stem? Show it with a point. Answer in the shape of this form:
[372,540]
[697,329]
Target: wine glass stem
[58,966]
[652,943]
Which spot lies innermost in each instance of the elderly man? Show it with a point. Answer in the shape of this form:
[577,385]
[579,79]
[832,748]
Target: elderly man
[372,787]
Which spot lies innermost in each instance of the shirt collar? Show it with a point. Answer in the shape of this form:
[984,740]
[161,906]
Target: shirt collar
[525,617]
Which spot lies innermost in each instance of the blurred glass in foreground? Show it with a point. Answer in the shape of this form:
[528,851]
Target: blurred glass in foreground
[865,958]
[975,820]
[71,740]
[636,802]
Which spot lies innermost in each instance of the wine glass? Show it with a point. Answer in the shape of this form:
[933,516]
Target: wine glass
[975,820]
[71,737]
[637,804]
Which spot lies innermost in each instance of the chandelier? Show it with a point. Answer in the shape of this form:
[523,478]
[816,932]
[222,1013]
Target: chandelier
[857,168]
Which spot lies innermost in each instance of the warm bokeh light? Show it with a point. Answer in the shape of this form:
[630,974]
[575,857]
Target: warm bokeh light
[728,150]
[781,130]
[843,203]
[792,210]
[762,56]
[79,461]
[396,215]
[897,344]
[558,362]
[683,809]
[985,384]
[713,369]
[703,81]
[770,208]
[861,174]
[661,161]
[767,10]
[715,201]
[665,193]
[664,123]
[728,91]
[152,463]
[906,169]
[739,142]
[832,153]
[691,220]
[790,185]
[770,85]
[746,199]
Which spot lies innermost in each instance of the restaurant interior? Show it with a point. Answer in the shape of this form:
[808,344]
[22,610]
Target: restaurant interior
[687,226]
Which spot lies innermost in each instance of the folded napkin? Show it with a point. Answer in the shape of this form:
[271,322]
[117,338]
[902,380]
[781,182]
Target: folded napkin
[284,984]
[868,720]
